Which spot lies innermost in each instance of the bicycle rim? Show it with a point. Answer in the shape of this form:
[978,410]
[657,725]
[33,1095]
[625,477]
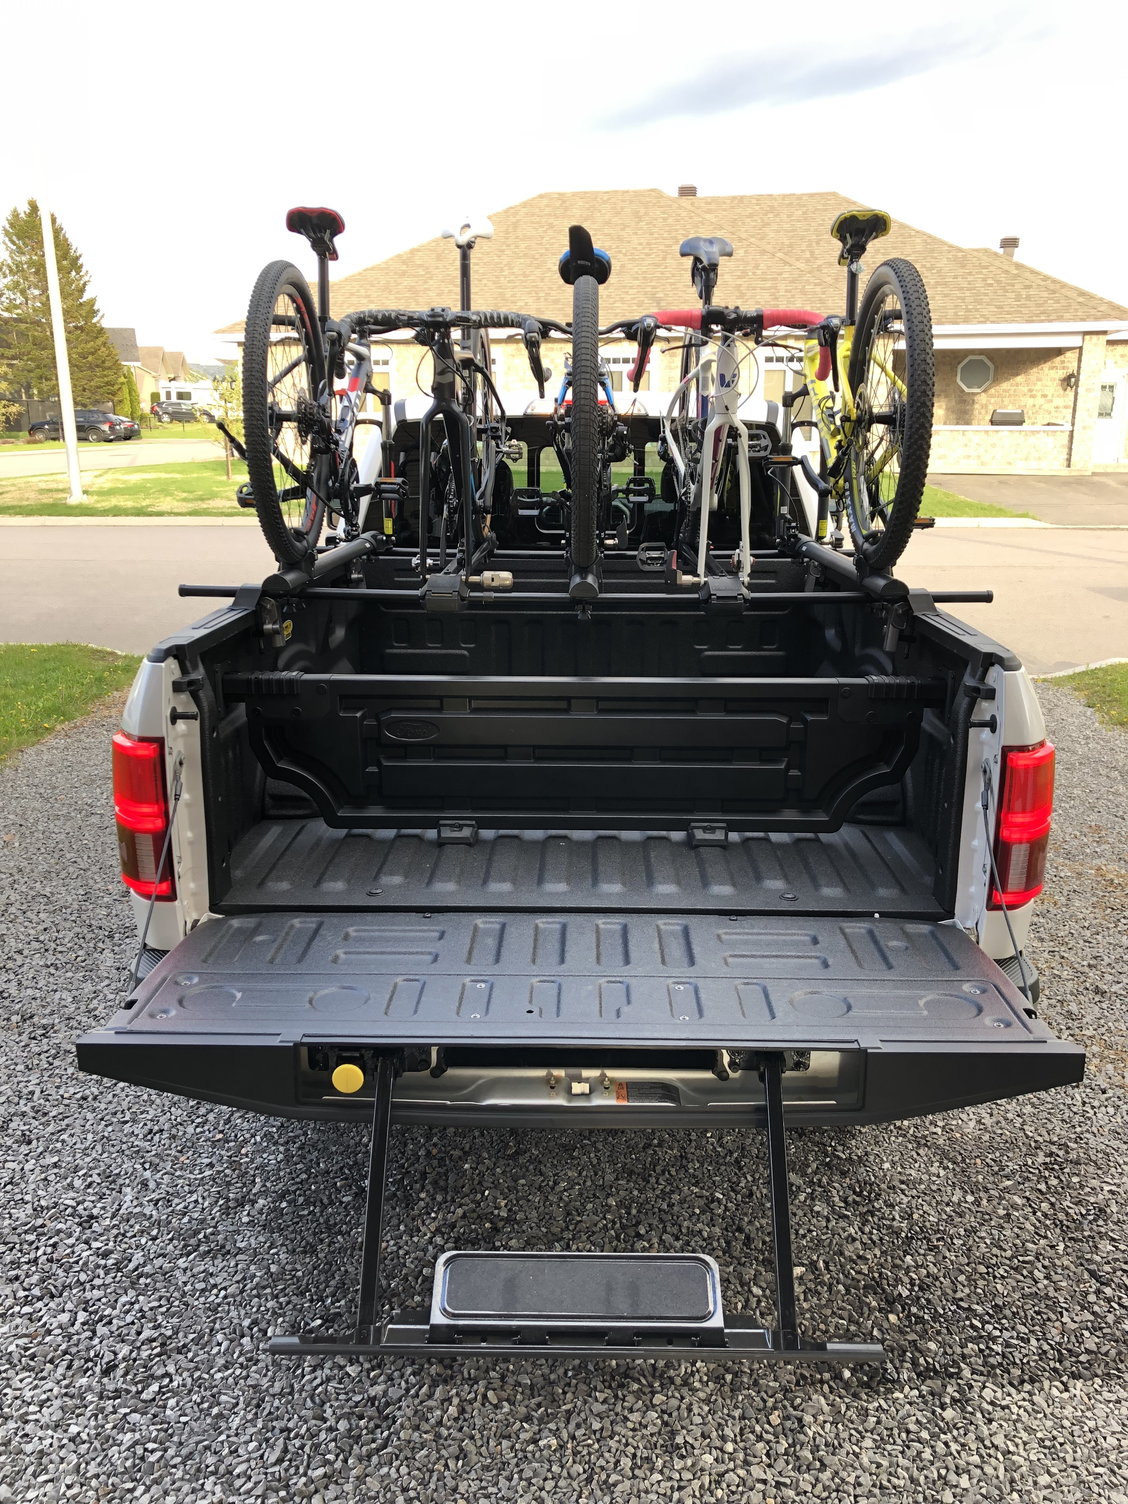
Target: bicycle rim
[892,380]
[284,429]
[585,421]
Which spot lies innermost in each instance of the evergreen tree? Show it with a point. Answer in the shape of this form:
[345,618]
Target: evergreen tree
[27,354]
[133,395]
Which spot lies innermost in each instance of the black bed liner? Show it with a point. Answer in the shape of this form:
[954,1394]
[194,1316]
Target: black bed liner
[859,870]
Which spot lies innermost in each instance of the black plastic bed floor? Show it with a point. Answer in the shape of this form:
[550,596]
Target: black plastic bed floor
[859,870]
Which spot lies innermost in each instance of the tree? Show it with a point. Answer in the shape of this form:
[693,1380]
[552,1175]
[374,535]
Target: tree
[27,353]
[228,390]
[132,396]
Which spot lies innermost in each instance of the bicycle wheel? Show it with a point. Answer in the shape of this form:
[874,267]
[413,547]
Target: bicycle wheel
[892,378]
[284,428]
[585,421]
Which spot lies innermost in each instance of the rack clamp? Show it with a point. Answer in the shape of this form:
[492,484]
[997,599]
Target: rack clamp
[722,595]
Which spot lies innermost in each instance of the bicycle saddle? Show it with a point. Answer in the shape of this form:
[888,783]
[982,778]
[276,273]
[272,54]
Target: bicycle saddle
[856,228]
[469,231]
[582,259]
[708,249]
[319,226]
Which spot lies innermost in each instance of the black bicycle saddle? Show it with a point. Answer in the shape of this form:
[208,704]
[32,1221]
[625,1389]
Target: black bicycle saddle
[708,249]
[319,226]
[582,259]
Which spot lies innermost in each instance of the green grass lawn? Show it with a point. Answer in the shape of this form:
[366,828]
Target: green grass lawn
[191,488]
[199,488]
[940,503]
[43,686]
[1105,689]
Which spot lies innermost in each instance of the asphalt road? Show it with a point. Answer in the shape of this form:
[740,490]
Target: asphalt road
[14,463]
[1061,596]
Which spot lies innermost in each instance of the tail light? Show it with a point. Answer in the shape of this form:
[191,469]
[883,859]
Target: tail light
[141,807]
[1026,800]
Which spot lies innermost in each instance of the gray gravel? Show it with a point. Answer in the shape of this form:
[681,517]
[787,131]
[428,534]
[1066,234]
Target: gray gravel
[151,1245]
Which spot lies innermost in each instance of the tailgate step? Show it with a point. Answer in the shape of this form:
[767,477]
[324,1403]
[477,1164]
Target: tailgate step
[579,1305]
[614,1293]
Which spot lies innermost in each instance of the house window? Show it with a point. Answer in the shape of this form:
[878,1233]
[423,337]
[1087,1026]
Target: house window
[975,374]
[1107,400]
[618,368]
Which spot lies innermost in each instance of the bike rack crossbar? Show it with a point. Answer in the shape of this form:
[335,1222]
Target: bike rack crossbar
[762,601]
[579,1305]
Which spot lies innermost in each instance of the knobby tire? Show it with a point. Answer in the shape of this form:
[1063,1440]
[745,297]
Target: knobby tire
[585,422]
[262,430]
[910,437]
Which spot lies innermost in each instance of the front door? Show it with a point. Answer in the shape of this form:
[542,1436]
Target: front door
[1112,415]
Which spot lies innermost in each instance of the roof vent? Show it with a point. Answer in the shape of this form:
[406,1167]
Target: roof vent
[1008,245]
[687,190]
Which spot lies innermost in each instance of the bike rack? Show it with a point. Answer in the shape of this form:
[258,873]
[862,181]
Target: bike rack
[694,1326]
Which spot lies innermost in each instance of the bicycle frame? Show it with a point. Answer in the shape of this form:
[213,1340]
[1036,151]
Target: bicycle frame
[716,379]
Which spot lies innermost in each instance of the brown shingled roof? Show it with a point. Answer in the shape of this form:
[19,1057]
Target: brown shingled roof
[783,256]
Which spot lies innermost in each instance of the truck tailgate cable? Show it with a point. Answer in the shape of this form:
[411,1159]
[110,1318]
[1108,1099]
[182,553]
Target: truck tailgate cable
[177,790]
[985,804]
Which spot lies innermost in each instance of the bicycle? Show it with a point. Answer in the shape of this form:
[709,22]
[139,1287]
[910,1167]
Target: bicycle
[305,379]
[458,491]
[868,375]
[584,269]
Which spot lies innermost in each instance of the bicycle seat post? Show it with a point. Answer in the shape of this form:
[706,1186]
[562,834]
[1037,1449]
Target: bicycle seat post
[321,228]
[466,238]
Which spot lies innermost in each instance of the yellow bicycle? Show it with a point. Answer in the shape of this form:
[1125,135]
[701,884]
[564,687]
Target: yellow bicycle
[869,377]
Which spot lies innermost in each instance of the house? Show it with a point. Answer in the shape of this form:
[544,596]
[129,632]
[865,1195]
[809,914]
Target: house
[1009,339]
[167,376]
[124,342]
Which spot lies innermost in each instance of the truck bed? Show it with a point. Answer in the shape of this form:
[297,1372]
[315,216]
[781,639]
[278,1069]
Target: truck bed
[305,865]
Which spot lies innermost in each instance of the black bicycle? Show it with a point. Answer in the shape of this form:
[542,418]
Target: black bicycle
[458,475]
[305,380]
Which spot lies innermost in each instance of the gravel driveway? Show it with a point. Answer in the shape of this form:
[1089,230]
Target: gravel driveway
[153,1244]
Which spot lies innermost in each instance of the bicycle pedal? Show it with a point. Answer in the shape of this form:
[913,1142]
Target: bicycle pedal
[245,497]
[924,522]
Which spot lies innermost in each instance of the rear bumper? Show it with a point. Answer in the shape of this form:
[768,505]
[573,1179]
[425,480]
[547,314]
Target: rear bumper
[614,1020]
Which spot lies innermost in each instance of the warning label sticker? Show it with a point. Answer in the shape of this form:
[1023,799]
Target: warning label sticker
[647,1093]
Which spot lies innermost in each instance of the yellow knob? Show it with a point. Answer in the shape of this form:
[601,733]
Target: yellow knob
[348,1078]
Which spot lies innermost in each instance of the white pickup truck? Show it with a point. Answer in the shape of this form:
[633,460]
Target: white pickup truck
[766,862]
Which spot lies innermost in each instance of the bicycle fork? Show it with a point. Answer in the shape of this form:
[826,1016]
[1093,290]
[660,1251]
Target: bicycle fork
[726,398]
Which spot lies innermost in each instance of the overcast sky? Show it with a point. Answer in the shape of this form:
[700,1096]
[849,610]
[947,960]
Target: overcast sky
[171,141]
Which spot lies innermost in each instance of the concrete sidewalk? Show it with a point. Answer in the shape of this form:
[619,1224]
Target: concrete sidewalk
[1061,597]
[1069,500]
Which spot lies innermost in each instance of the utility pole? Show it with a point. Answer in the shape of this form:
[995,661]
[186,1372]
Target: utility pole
[62,362]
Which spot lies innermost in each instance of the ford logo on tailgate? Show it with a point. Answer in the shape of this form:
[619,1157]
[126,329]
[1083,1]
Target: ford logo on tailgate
[403,730]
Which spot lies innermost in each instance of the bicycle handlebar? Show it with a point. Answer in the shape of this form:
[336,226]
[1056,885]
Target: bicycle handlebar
[751,321]
[384,320]
[387,319]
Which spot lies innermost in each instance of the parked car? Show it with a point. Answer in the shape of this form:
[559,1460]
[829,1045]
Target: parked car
[181,412]
[130,429]
[97,427]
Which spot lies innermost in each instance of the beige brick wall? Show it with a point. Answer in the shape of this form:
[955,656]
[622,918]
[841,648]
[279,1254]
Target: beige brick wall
[1027,379]
[998,451]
